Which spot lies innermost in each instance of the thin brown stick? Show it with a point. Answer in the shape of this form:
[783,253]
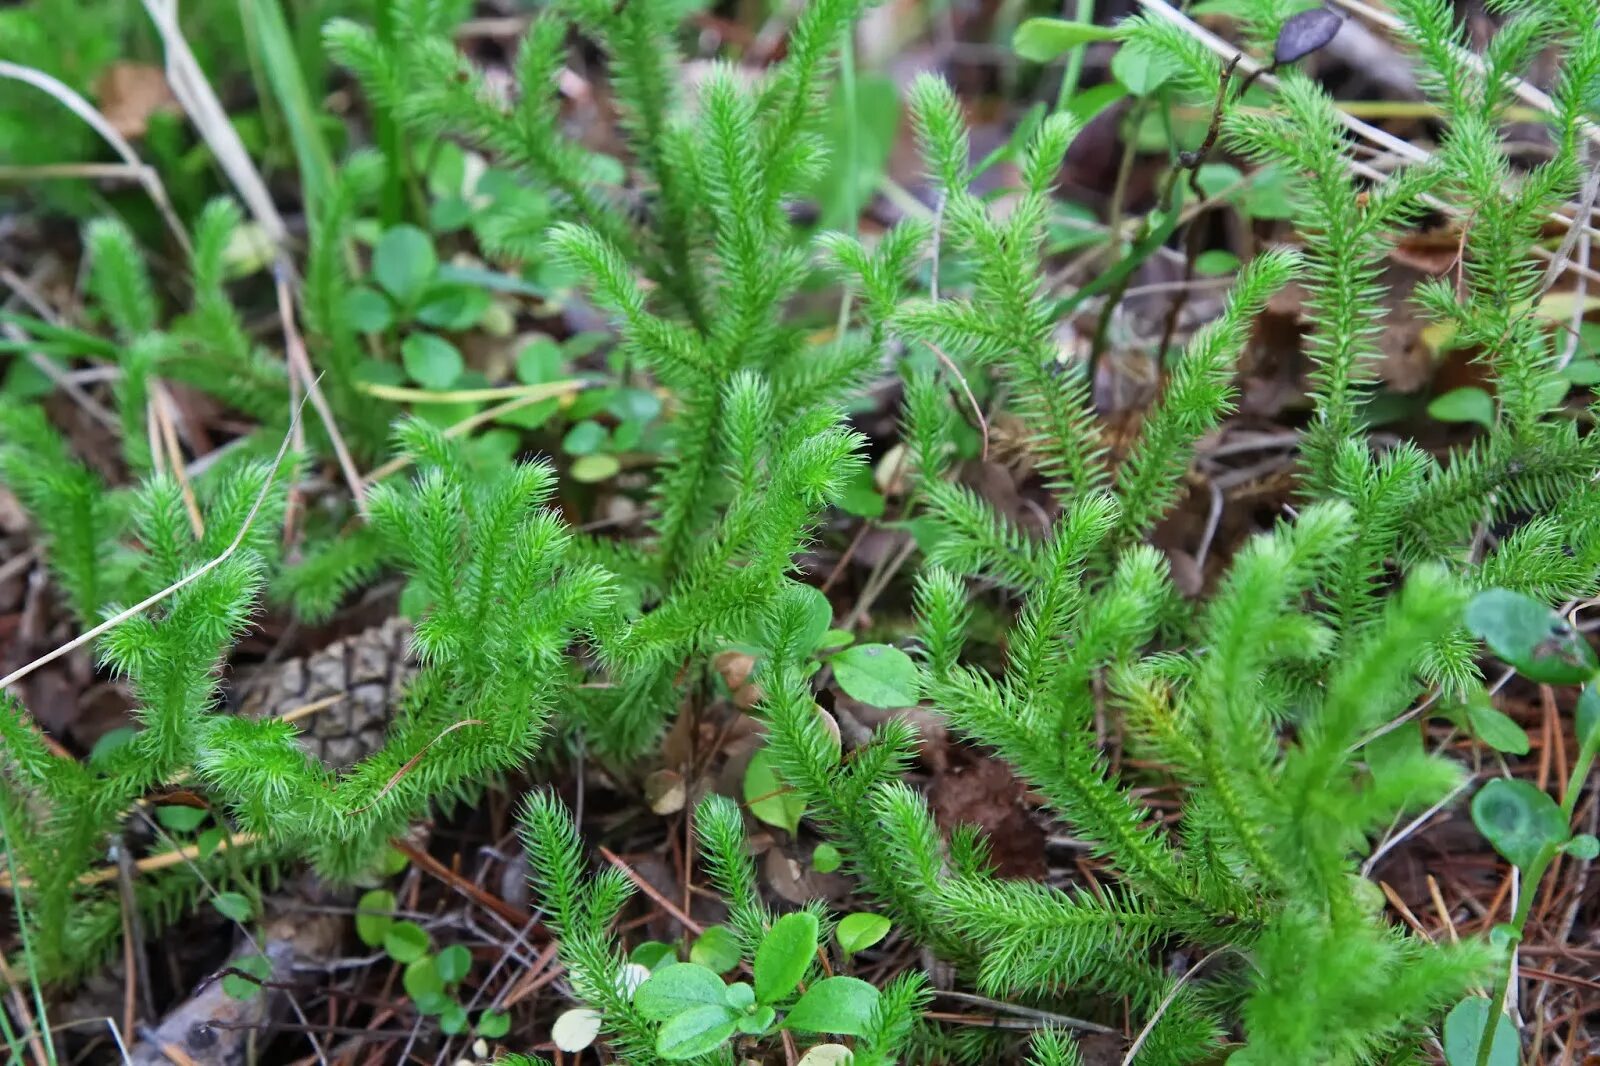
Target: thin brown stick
[411,763]
[650,890]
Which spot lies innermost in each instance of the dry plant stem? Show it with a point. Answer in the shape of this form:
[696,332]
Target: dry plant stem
[199,102]
[300,364]
[19,1008]
[650,890]
[82,108]
[1166,1001]
[156,597]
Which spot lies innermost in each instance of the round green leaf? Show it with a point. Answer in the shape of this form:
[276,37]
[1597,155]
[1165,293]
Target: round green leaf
[695,1032]
[877,675]
[679,987]
[784,955]
[453,963]
[433,362]
[716,949]
[256,966]
[374,916]
[453,307]
[1216,262]
[585,437]
[857,932]
[453,1019]
[1469,404]
[769,798]
[757,1021]
[1463,1035]
[826,859]
[540,361]
[842,1005]
[234,905]
[1583,847]
[860,496]
[208,842]
[634,405]
[422,979]
[739,996]
[366,310]
[1497,729]
[591,469]
[405,941]
[1043,39]
[493,1024]
[404,262]
[576,1029]
[1518,819]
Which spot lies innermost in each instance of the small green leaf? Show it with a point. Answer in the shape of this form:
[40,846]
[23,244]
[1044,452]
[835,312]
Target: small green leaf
[836,638]
[695,1032]
[207,843]
[1042,39]
[784,955]
[757,1021]
[860,496]
[584,438]
[1519,820]
[256,966]
[826,859]
[433,362]
[453,1019]
[404,262]
[1497,729]
[768,797]
[652,955]
[842,1005]
[405,941]
[374,916]
[1588,717]
[1583,846]
[233,905]
[391,861]
[177,818]
[422,979]
[493,1024]
[1142,71]
[1468,404]
[540,362]
[674,989]
[716,949]
[453,963]
[453,307]
[575,1029]
[1463,1035]
[819,616]
[1529,636]
[634,405]
[592,469]
[739,996]
[1216,262]
[366,310]
[877,675]
[857,932]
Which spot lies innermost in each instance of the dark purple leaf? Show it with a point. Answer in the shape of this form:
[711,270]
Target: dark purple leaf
[1305,33]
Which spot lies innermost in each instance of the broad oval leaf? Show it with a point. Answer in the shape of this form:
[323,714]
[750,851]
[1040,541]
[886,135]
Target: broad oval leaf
[433,362]
[857,932]
[695,1032]
[233,905]
[1583,847]
[422,980]
[1463,1035]
[877,675]
[785,953]
[1519,820]
[453,963]
[493,1025]
[841,1005]
[1496,729]
[1529,636]
[674,989]
[405,941]
[238,987]
[1467,404]
[1044,39]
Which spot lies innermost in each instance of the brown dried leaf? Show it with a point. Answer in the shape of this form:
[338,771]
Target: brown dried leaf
[129,93]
